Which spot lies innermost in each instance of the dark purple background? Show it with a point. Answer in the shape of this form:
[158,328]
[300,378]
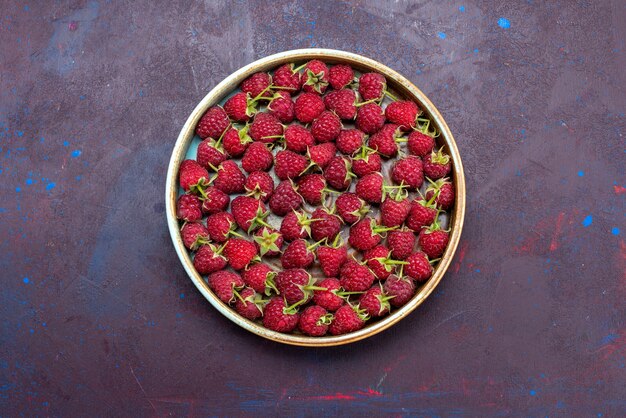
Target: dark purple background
[98,314]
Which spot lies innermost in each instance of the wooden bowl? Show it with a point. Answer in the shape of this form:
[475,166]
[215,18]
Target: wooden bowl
[396,83]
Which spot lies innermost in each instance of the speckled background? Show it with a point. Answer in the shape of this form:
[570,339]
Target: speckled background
[100,319]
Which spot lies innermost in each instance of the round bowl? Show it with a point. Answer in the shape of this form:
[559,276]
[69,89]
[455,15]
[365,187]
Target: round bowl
[396,83]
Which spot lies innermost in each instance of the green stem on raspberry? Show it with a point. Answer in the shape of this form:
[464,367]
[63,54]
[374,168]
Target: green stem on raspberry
[391,96]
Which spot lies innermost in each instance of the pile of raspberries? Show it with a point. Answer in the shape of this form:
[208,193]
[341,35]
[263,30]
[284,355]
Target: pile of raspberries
[324,199]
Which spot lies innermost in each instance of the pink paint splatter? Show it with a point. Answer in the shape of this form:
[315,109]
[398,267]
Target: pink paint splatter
[462,250]
[557,231]
[619,189]
[72,26]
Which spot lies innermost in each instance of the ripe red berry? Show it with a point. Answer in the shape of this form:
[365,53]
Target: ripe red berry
[356,277]
[327,225]
[420,144]
[259,185]
[240,107]
[298,254]
[194,234]
[289,165]
[296,225]
[189,208]
[326,127]
[329,298]
[342,102]
[314,321]
[209,153]
[421,214]
[443,191]
[282,107]
[257,84]
[215,201]
[298,138]
[287,78]
[350,207]
[225,284]
[433,241]
[366,161]
[208,259]
[350,141]
[337,173]
[265,128]
[249,213]
[295,285]
[331,259]
[220,225]
[408,171]
[375,302]
[394,210]
[379,261]
[312,187]
[229,178]
[308,107]
[239,252]
[403,113]
[285,198]
[250,305]
[315,77]
[258,157]
[322,154]
[347,319]
[213,123]
[385,140]
[278,317]
[419,268]
[437,165]
[236,142]
[365,234]
[372,86]
[401,243]
[340,76]
[260,277]
[193,177]
[370,118]
[268,241]
[401,289]
[370,188]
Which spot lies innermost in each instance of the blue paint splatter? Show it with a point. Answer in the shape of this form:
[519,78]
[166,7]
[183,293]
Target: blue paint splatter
[609,339]
[442,35]
[560,404]
[78,178]
[533,392]
[20,133]
[29,181]
[504,23]
[82,97]
[66,144]
[615,231]
[461,8]
[32,331]
[18,189]
[51,186]
[475,50]
[588,221]
[26,280]
[182,296]
[581,173]
[76,153]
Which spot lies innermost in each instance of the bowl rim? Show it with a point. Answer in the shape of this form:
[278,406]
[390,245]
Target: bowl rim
[401,84]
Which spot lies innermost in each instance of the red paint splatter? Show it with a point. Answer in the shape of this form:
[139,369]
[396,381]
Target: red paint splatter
[619,189]
[557,231]
[462,250]
[339,396]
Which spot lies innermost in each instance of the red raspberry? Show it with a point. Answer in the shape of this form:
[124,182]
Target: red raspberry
[252,305]
[315,77]
[295,225]
[297,255]
[194,234]
[385,140]
[215,201]
[403,113]
[220,225]
[433,241]
[295,285]
[189,208]
[249,213]
[356,277]
[338,174]
[421,214]
[342,102]
[339,76]
[282,107]
[236,142]
[312,188]
[308,107]
[208,259]
[347,319]
[444,191]
[401,243]
[225,284]
[240,107]
[331,258]
[326,127]
[210,153]
[401,289]
[257,84]
[229,178]
[284,199]
[265,128]
[419,268]
[350,207]
[350,141]
[420,144]
[327,225]
[298,138]
[379,262]
[330,298]
[213,123]
[321,155]
[193,177]
[278,317]
[367,161]
[260,277]
[394,210]
[314,321]
[370,118]
[437,165]
[408,171]
[240,253]
[365,234]
[375,302]
[258,157]
[269,241]
[286,77]
[370,188]
[289,165]
[372,86]
[259,185]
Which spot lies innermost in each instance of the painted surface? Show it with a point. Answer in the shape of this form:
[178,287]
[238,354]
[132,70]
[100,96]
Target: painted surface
[99,316]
